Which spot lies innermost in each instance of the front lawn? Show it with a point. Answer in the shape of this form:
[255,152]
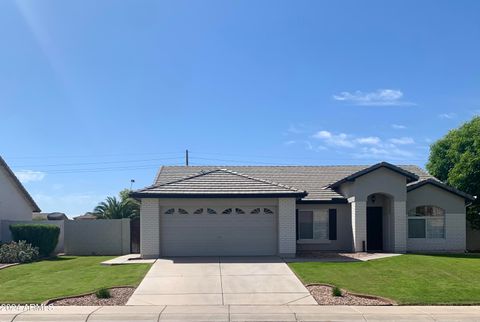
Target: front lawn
[63,276]
[407,279]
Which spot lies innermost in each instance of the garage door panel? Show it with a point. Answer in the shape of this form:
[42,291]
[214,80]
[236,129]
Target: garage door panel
[219,234]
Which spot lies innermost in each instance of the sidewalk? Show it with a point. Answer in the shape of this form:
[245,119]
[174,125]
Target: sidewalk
[244,313]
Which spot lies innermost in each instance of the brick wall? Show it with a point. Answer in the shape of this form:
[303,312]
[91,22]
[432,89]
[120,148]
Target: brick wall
[287,239]
[150,228]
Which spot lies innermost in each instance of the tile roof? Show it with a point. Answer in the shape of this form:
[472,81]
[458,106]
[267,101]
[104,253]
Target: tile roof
[313,179]
[215,182]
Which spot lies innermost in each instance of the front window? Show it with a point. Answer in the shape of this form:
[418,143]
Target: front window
[426,222]
[313,225]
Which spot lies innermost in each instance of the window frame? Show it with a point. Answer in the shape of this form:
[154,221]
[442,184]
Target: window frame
[436,213]
[324,212]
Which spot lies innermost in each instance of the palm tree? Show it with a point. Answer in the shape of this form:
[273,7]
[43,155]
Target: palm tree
[112,208]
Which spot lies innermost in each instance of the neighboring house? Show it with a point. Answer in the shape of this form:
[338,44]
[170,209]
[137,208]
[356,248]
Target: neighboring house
[15,202]
[49,216]
[86,216]
[281,210]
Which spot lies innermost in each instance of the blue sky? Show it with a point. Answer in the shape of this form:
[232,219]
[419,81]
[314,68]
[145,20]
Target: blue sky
[95,93]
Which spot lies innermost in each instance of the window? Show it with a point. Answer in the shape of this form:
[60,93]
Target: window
[426,222]
[227,211]
[210,211]
[255,211]
[239,211]
[199,211]
[267,211]
[169,211]
[182,211]
[313,225]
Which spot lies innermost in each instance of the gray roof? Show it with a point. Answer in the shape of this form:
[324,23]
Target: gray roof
[19,186]
[312,179]
[216,182]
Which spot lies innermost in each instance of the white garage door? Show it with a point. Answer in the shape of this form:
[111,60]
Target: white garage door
[231,231]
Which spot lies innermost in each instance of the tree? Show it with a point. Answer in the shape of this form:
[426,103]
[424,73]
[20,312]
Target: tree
[113,208]
[455,159]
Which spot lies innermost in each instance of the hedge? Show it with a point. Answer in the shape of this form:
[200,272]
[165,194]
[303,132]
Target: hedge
[45,237]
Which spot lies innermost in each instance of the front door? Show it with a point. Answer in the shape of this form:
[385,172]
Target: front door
[374,229]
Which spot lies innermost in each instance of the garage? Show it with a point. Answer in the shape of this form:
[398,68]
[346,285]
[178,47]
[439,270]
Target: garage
[213,231]
[217,213]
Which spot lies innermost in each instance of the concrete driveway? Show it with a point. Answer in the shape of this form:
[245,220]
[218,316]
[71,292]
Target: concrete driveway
[221,281]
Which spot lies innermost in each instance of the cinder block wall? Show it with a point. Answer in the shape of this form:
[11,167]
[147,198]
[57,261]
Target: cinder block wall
[97,237]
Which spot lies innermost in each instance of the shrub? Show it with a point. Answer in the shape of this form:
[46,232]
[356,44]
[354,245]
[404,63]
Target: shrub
[45,237]
[336,291]
[103,293]
[18,252]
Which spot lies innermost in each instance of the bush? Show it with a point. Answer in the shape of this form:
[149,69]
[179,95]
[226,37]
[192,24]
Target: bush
[336,291]
[18,252]
[45,237]
[103,293]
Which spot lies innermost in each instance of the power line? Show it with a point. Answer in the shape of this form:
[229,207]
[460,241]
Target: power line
[92,163]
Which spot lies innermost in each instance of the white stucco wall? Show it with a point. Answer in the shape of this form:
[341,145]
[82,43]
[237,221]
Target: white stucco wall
[13,205]
[455,219]
[381,181]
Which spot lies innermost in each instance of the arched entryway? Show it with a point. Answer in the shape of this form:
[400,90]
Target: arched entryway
[379,222]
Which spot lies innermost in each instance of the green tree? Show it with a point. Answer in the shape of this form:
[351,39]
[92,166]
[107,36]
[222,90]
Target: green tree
[455,159]
[113,208]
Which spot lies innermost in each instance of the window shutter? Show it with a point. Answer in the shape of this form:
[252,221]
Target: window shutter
[332,224]
[296,223]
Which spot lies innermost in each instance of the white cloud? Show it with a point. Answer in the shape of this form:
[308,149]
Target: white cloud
[398,126]
[289,142]
[380,97]
[366,147]
[339,140]
[402,141]
[448,116]
[29,175]
[370,140]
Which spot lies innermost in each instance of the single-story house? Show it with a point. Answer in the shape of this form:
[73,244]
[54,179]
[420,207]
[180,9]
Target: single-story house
[282,210]
[15,202]
[38,216]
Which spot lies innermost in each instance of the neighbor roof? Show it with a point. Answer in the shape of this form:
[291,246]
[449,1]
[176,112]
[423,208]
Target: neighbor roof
[19,186]
[312,179]
[218,182]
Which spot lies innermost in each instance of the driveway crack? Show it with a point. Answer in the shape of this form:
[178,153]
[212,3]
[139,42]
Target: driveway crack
[221,279]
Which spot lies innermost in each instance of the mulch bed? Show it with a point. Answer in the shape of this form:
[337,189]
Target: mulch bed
[120,296]
[323,295]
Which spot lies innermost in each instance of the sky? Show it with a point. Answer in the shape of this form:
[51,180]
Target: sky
[95,93]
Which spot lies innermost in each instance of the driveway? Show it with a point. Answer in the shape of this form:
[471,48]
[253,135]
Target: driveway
[221,281]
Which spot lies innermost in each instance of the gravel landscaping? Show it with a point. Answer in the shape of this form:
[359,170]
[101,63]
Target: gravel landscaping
[323,296]
[120,296]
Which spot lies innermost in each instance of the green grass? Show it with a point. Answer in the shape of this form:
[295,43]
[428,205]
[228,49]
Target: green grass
[407,279]
[64,276]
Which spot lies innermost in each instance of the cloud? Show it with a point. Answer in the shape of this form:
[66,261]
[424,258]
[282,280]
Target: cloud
[402,141]
[289,142]
[448,116]
[370,140]
[29,175]
[366,147]
[387,152]
[339,140]
[399,127]
[380,97]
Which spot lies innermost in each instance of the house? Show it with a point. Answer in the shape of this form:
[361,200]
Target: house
[15,202]
[282,210]
[86,216]
[39,216]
